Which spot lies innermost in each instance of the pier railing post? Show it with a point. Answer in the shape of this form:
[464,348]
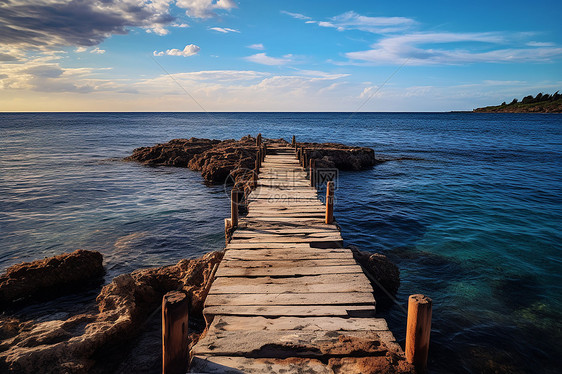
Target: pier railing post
[305,159]
[329,202]
[293,142]
[418,329]
[175,306]
[234,193]
[258,140]
[258,157]
[312,168]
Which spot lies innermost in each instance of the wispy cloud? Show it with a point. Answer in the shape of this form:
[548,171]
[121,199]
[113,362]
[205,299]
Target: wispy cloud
[224,30]
[353,21]
[296,15]
[189,50]
[205,8]
[98,51]
[262,58]
[258,46]
[444,49]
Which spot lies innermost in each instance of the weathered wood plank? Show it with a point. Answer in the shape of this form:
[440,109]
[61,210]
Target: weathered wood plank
[361,311]
[330,298]
[235,323]
[287,263]
[300,271]
[295,343]
[282,255]
[318,288]
[239,365]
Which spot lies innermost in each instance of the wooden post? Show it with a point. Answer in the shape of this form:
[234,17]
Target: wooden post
[311,171]
[329,202]
[258,158]
[234,207]
[418,330]
[298,154]
[175,306]
[293,142]
[258,140]
[305,159]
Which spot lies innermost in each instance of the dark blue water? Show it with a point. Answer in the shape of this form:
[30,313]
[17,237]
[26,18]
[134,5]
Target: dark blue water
[471,214]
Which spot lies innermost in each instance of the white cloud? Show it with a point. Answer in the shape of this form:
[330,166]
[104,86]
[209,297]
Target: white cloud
[224,30]
[189,50]
[98,51]
[205,8]
[258,46]
[430,49]
[353,21]
[540,44]
[262,58]
[80,49]
[296,15]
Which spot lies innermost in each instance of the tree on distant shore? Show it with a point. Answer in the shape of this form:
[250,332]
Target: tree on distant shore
[537,99]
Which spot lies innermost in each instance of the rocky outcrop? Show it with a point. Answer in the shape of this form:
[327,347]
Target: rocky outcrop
[232,161]
[68,346]
[215,159]
[340,156]
[384,275]
[50,277]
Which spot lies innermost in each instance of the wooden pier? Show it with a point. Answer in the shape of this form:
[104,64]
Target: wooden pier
[287,297]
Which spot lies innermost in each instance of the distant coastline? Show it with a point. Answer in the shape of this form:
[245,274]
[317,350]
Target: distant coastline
[542,103]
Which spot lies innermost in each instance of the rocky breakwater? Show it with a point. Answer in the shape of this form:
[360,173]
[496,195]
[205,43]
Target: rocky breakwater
[232,161]
[339,156]
[215,159]
[95,342]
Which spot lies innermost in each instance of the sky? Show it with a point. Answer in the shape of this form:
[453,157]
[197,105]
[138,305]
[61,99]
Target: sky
[259,55]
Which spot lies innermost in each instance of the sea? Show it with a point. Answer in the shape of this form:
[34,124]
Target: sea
[468,205]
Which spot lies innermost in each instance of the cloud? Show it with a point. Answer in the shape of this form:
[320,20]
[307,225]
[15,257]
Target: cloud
[258,46]
[353,21]
[224,30]
[189,50]
[205,8]
[7,57]
[540,44]
[262,58]
[445,49]
[98,51]
[296,15]
[48,23]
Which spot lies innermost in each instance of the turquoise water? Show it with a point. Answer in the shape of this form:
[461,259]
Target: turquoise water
[470,210]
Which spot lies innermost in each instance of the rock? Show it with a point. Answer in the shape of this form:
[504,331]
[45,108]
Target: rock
[340,156]
[50,277]
[124,305]
[385,274]
[215,159]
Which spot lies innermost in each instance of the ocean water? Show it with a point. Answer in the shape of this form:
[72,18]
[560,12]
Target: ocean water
[469,208]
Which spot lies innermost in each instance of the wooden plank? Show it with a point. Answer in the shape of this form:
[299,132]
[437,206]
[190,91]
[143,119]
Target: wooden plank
[235,323]
[239,365]
[361,311]
[277,272]
[317,288]
[327,279]
[282,254]
[287,263]
[295,343]
[330,298]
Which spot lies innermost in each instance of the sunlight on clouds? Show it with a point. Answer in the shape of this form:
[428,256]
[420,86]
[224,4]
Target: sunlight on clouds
[224,30]
[189,50]
[262,58]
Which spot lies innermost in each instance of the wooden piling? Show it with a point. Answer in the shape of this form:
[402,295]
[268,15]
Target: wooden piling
[258,140]
[293,142]
[417,331]
[329,202]
[312,169]
[175,306]
[305,159]
[258,158]
[234,193]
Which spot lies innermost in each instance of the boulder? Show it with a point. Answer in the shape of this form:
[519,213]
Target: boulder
[384,275]
[50,277]
[340,156]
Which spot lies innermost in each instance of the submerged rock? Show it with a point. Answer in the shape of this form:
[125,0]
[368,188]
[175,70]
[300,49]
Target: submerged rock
[384,275]
[49,277]
[69,346]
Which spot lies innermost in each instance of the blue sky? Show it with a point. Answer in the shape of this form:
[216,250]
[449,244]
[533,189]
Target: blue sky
[193,55]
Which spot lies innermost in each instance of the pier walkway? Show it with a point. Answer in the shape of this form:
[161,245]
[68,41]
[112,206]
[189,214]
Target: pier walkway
[287,297]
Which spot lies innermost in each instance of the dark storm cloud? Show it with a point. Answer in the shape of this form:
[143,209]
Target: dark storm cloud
[75,22]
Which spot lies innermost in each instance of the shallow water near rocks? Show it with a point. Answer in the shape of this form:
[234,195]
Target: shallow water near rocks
[469,207]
